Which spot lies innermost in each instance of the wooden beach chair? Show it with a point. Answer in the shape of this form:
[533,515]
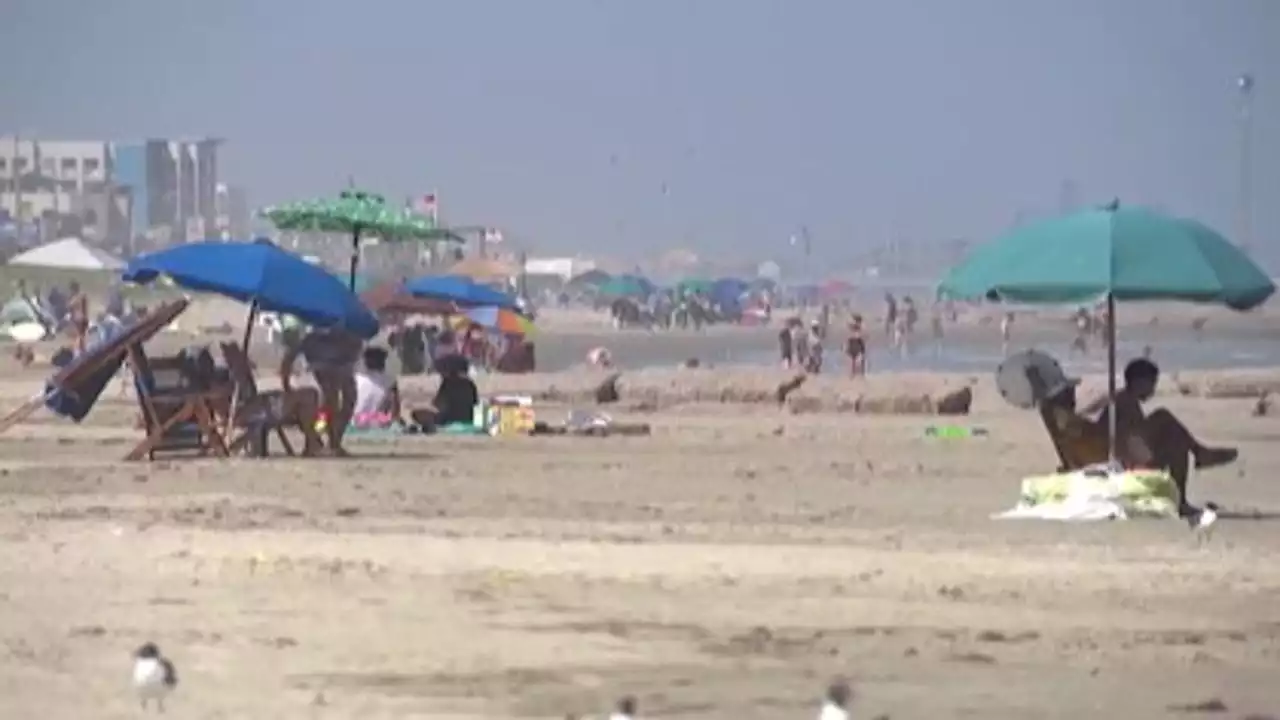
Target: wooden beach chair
[1077,443]
[178,413]
[73,390]
[257,414]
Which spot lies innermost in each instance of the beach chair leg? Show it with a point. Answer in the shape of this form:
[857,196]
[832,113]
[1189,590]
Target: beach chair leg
[22,412]
[209,427]
[145,448]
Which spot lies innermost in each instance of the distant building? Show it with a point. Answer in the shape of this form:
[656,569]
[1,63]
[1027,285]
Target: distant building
[174,187]
[114,193]
[59,187]
[564,268]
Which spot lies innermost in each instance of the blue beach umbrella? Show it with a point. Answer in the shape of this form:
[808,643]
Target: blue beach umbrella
[262,275]
[458,290]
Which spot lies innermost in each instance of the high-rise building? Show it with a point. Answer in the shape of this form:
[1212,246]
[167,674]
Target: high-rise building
[174,183]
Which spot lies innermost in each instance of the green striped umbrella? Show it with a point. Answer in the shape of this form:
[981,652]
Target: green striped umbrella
[358,213]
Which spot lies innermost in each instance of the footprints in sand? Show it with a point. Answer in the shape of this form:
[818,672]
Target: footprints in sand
[187,638]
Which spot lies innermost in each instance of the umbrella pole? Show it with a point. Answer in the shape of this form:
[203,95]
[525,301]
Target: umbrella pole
[355,257]
[244,347]
[1111,378]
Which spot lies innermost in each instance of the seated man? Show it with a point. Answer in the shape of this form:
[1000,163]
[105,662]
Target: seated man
[1155,440]
[377,395]
[455,401]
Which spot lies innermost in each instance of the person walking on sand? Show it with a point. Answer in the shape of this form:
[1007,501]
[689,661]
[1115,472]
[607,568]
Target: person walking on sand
[331,354]
[784,346]
[799,343]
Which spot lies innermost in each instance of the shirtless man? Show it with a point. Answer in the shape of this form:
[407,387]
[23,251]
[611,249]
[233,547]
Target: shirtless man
[332,354]
[1156,439]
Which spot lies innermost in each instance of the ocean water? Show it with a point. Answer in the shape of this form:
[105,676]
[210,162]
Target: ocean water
[1171,353]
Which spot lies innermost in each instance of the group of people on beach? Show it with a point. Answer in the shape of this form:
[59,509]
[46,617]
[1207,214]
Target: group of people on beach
[355,390]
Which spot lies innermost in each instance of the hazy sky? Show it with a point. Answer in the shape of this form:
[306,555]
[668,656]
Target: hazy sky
[718,124]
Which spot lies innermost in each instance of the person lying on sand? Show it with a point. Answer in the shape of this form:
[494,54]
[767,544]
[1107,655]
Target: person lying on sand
[1157,439]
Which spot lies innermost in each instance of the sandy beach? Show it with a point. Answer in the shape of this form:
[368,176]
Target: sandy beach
[725,567]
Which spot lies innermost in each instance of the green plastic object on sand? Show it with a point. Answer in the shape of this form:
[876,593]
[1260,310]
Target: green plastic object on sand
[953,432]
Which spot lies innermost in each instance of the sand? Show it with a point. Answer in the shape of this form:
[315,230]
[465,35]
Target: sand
[724,567]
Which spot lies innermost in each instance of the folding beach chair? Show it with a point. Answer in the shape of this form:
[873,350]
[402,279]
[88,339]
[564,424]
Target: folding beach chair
[257,414]
[178,413]
[76,387]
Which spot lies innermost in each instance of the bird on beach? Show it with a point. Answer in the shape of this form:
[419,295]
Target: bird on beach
[154,677]
[1201,521]
[835,706]
[625,709]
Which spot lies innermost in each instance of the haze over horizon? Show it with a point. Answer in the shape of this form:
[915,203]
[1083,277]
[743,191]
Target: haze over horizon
[624,128]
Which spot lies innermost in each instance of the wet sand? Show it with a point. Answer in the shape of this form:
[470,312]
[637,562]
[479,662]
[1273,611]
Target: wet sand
[724,567]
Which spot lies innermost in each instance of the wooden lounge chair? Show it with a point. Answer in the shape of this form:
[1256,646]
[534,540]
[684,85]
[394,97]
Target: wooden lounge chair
[256,413]
[75,387]
[1077,443]
[178,414]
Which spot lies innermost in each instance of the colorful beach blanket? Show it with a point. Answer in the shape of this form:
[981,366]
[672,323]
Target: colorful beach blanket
[1096,493]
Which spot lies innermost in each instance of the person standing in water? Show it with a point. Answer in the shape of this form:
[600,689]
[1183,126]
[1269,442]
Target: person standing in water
[855,348]
[813,363]
[331,354]
[890,317]
[935,327]
[1006,331]
[1084,327]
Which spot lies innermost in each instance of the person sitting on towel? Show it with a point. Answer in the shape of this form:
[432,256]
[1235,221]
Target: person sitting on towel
[1157,439]
[455,401]
[377,394]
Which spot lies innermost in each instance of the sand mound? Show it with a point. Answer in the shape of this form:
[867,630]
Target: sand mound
[897,394]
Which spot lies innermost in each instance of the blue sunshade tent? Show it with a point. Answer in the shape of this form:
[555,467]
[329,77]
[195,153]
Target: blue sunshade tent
[261,275]
[458,290]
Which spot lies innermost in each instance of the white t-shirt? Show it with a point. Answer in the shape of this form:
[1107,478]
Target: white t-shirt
[371,392]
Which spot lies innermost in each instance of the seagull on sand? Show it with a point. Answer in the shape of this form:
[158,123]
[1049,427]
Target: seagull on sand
[154,677]
[835,706]
[1201,521]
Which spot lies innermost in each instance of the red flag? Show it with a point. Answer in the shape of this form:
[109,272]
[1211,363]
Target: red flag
[427,205]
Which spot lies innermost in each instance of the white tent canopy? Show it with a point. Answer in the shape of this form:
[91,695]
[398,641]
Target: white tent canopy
[68,254]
